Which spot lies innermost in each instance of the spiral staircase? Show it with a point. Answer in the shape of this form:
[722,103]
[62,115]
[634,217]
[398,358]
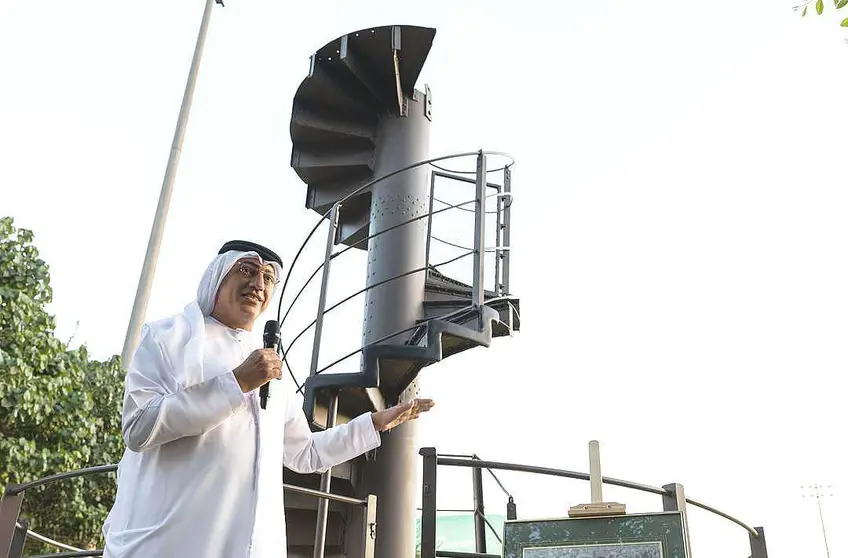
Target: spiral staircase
[354,82]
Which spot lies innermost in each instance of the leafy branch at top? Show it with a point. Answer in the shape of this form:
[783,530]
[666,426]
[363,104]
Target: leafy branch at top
[819,6]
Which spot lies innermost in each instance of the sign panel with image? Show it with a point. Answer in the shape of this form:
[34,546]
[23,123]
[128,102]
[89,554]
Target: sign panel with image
[656,535]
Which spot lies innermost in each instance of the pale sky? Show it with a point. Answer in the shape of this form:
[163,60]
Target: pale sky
[678,227]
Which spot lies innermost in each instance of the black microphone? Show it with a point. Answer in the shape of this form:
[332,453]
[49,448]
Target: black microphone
[271,339]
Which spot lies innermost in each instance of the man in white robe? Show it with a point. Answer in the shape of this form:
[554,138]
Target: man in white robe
[202,473]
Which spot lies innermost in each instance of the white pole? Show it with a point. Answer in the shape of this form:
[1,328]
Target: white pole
[148,270]
[816,491]
[824,531]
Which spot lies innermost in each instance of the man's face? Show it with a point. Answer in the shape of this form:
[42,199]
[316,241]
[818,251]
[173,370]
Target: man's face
[245,293]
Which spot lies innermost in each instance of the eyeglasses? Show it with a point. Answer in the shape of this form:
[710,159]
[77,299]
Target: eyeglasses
[250,272]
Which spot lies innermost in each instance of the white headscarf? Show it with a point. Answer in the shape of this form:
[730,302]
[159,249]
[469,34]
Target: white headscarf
[196,312]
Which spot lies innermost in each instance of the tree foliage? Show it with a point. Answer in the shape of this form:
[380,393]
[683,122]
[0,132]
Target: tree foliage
[59,410]
[819,6]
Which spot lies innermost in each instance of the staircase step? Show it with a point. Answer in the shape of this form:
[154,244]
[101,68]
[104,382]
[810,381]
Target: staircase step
[392,367]
[508,311]
[321,196]
[369,56]
[355,221]
[439,287]
[445,338]
[308,126]
[333,93]
[357,56]
[316,163]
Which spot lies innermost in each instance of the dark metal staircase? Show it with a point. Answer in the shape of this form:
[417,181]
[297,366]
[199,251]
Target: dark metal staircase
[356,85]
[352,83]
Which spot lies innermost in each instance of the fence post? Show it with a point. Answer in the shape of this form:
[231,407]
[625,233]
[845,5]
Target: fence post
[370,526]
[758,543]
[10,509]
[430,219]
[477,294]
[674,499]
[19,540]
[479,510]
[322,297]
[498,241]
[505,238]
[428,503]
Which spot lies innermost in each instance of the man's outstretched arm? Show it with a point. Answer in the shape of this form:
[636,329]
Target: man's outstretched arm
[308,452]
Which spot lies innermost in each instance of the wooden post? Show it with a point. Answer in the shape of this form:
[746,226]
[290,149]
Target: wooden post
[596,482]
[597,507]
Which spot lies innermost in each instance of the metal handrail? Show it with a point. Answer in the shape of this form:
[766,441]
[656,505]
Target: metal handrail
[507,155]
[329,256]
[47,540]
[491,527]
[502,193]
[416,326]
[332,257]
[480,464]
[372,183]
[443,202]
[339,253]
[485,249]
[15,490]
[384,231]
[359,292]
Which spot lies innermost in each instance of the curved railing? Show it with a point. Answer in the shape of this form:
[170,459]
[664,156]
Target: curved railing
[371,183]
[13,533]
[672,494]
[500,249]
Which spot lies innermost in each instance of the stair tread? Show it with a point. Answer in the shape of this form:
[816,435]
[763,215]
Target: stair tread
[372,48]
[392,367]
[309,126]
[333,162]
[335,93]
[322,196]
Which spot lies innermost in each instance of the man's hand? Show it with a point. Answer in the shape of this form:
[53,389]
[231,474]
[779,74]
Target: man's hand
[262,366]
[399,414]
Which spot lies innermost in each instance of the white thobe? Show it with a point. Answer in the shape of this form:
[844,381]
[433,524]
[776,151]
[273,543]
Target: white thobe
[202,475]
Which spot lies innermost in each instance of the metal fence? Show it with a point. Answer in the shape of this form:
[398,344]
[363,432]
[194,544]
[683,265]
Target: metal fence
[13,534]
[673,499]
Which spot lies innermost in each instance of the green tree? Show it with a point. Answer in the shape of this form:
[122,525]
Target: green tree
[59,411]
[819,7]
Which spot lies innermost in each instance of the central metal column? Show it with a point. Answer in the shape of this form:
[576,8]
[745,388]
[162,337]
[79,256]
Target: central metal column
[396,305]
